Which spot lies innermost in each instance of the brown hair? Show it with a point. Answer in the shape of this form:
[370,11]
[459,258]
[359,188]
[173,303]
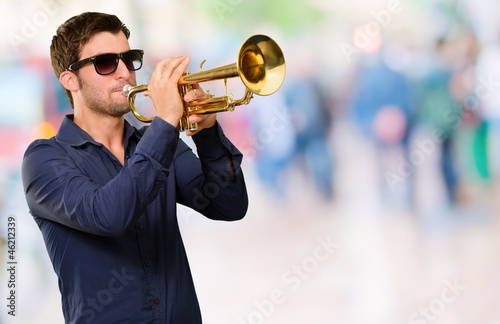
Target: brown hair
[75,33]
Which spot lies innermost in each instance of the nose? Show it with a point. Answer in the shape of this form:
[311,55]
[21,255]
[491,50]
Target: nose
[121,70]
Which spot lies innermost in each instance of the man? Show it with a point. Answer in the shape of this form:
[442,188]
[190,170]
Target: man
[104,194]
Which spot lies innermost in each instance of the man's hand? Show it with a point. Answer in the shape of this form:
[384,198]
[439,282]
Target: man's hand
[204,121]
[163,90]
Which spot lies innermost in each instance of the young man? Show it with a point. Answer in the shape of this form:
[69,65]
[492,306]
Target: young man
[104,193]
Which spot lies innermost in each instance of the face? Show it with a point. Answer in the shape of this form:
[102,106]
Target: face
[102,94]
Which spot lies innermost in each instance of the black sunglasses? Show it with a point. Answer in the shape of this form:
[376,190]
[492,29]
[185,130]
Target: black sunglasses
[108,62]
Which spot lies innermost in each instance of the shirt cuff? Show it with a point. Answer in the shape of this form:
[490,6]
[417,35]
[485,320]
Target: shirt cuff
[212,143]
[159,142]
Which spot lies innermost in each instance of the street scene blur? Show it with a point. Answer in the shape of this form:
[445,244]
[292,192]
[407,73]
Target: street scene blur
[373,173]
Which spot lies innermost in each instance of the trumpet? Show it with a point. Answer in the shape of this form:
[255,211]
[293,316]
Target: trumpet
[260,66]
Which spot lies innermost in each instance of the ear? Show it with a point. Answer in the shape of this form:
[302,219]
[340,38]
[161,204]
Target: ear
[69,81]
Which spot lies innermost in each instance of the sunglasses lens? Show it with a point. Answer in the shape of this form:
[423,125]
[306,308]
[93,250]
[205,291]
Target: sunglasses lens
[133,60]
[106,63]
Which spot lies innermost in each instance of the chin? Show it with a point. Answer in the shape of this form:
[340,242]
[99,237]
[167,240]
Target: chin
[118,109]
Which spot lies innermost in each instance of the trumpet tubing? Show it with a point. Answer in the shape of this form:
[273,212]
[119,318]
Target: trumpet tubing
[260,66]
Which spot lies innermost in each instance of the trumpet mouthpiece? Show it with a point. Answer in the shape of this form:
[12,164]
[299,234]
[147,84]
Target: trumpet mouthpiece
[126,89]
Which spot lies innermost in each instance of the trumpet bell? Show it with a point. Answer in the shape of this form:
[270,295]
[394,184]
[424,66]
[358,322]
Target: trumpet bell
[261,65]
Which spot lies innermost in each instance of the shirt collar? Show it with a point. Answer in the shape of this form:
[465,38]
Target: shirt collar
[71,134]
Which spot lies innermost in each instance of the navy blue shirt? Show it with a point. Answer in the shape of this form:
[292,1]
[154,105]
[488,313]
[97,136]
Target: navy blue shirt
[111,231]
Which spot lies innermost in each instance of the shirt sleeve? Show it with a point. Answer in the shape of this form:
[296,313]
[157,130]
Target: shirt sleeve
[57,187]
[212,183]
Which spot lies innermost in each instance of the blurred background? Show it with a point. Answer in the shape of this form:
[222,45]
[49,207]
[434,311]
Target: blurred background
[373,173]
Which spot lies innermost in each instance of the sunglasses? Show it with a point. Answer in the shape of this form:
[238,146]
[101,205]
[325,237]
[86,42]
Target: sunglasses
[107,63]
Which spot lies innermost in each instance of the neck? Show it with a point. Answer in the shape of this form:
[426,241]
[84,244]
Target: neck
[104,129]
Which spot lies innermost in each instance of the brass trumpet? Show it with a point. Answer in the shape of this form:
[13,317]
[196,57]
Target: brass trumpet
[260,65]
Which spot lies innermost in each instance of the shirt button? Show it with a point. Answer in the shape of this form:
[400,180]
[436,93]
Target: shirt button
[156,301]
[140,226]
[148,263]
[211,142]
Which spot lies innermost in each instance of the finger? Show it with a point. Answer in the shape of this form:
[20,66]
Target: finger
[191,133]
[195,93]
[180,69]
[191,95]
[194,119]
[174,69]
[203,120]
[196,86]
[166,67]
